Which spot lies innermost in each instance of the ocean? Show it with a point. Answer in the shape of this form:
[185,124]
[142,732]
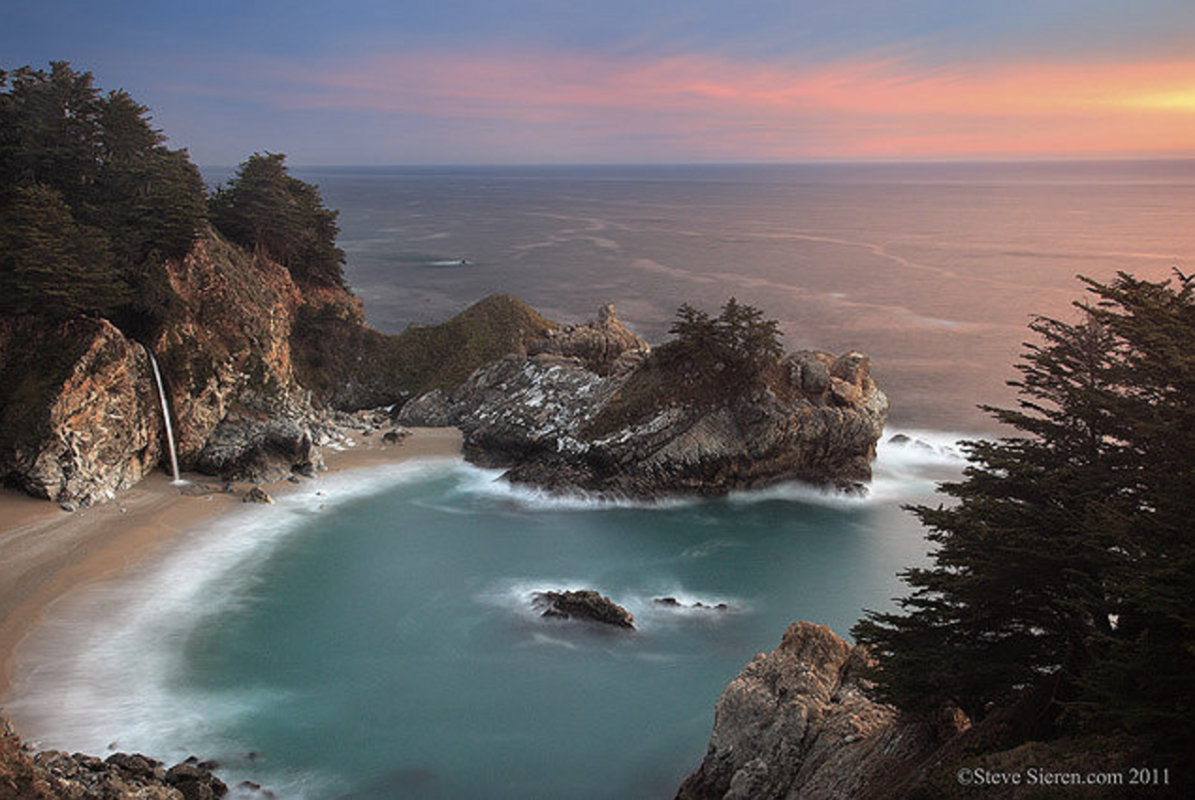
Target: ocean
[385,646]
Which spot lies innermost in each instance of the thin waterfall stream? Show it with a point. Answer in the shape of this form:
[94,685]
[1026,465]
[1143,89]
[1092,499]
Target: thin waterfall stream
[166,416]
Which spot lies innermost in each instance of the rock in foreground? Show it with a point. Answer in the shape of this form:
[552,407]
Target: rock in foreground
[586,605]
[122,776]
[796,723]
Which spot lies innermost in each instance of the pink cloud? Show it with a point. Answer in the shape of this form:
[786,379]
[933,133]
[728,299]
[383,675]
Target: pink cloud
[880,107]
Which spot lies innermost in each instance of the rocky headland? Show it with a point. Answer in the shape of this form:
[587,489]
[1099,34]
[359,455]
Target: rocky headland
[591,407]
[800,722]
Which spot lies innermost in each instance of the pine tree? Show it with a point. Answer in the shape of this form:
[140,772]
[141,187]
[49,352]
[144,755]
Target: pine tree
[738,339]
[49,264]
[266,209]
[116,200]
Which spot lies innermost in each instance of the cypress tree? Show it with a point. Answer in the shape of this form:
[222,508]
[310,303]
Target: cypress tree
[1065,564]
[264,208]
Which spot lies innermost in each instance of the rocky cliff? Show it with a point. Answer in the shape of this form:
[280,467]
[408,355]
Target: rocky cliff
[796,723]
[588,407]
[80,417]
[79,413]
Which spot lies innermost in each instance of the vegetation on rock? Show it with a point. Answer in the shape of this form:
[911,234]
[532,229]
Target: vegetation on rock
[91,200]
[709,360]
[739,340]
[263,208]
[1065,571]
[350,365]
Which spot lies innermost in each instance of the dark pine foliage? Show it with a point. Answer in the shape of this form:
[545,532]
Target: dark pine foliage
[91,200]
[1066,564]
[738,341]
[264,208]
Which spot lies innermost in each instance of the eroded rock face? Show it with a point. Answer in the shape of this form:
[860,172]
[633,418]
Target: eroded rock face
[225,357]
[603,344]
[796,723]
[535,416]
[80,408]
[84,421]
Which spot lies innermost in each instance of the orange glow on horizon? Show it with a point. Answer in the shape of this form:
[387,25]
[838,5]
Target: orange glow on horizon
[867,108]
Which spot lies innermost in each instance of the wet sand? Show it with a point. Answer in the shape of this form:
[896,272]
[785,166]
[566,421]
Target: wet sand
[46,552]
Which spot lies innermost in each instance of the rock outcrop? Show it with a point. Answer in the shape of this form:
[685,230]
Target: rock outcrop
[225,356]
[585,605]
[603,344]
[79,413]
[587,408]
[796,723]
[121,776]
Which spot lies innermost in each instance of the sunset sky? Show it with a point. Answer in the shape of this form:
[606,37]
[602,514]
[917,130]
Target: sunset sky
[632,81]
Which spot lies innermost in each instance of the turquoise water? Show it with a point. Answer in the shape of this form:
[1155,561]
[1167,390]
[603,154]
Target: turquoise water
[385,646]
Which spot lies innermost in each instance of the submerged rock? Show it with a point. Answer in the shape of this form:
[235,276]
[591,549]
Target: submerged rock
[585,604]
[672,602]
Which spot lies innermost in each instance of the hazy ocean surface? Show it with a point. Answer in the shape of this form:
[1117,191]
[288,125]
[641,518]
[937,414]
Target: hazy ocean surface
[385,645]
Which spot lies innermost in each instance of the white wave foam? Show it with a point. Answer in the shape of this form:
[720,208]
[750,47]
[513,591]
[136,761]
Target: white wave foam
[908,464]
[487,484]
[515,596]
[708,548]
[108,662]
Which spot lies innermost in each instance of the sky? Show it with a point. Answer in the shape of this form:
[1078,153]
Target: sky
[635,81]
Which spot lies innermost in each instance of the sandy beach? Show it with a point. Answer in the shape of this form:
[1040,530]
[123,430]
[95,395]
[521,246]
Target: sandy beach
[46,552]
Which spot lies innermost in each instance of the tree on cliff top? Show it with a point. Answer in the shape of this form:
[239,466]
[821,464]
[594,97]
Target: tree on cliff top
[739,339]
[114,200]
[264,208]
[1067,565]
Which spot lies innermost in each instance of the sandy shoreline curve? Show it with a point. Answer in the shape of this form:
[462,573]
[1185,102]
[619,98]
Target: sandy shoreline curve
[46,553]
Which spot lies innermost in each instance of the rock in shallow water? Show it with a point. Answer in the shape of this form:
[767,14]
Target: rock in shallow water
[585,604]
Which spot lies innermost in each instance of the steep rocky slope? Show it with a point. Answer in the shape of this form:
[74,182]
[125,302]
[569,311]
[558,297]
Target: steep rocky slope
[796,723]
[589,408]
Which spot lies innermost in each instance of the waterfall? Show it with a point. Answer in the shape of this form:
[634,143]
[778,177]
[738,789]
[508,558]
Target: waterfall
[165,415]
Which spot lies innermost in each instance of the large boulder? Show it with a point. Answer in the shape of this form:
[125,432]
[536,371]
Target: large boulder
[259,451]
[797,723]
[79,410]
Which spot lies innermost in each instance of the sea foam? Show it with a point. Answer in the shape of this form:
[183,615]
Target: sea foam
[106,668]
